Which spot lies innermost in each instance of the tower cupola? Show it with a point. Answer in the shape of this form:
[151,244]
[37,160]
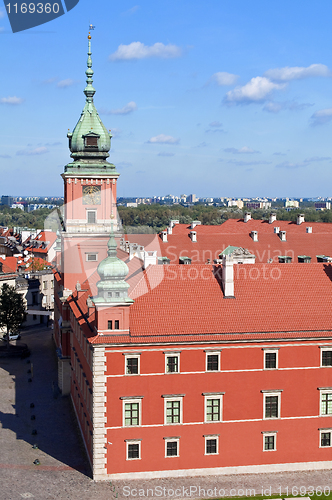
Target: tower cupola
[90,141]
[112,287]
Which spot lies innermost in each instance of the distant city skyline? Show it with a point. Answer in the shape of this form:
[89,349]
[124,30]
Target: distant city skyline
[222,99]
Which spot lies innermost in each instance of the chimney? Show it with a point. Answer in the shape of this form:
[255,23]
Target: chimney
[228,277]
[308,229]
[90,305]
[149,258]
[195,223]
[170,229]
[300,219]
[193,236]
[276,230]
[173,222]
[272,218]
[282,235]
[254,235]
[163,235]
[247,216]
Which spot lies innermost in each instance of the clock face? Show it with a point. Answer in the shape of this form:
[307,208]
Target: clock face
[91,195]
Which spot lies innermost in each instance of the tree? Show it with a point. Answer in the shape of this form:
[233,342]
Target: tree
[12,309]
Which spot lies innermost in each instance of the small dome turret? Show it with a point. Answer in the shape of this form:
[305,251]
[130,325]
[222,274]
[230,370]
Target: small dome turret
[112,286]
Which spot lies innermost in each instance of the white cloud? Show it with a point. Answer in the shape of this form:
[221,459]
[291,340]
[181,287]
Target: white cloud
[243,163]
[11,100]
[163,139]
[131,11]
[290,166]
[257,90]
[317,158]
[243,150]
[2,14]
[31,152]
[275,107]
[215,124]
[297,72]
[137,50]
[128,108]
[321,117]
[63,84]
[49,80]
[223,78]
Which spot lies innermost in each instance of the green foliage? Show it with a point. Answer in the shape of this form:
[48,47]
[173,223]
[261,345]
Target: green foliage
[11,217]
[12,310]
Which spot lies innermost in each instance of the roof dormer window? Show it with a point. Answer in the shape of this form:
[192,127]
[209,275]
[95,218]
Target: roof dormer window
[91,140]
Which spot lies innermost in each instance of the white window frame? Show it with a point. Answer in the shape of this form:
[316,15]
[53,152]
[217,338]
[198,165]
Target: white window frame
[130,356]
[325,431]
[168,398]
[268,434]
[212,352]
[207,437]
[324,390]
[133,441]
[171,354]
[322,349]
[268,394]
[91,254]
[213,395]
[271,351]
[169,440]
[126,400]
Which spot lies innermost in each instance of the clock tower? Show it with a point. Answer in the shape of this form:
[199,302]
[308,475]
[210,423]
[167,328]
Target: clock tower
[89,192]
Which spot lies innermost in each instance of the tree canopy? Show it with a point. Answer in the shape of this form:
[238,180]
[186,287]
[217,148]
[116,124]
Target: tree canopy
[12,309]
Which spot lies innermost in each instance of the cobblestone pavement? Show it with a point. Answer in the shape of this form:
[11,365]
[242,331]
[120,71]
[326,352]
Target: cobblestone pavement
[64,472]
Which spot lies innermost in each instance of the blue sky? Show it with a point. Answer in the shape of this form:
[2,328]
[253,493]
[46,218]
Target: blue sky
[217,98]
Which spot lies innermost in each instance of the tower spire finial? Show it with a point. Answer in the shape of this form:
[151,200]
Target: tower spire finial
[89,91]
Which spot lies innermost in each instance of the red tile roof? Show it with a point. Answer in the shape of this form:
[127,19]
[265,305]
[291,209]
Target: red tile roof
[212,240]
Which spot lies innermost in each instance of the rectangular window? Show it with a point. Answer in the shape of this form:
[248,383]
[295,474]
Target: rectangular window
[109,324]
[44,285]
[325,438]
[211,445]
[172,362]
[131,413]
[116,324]
[270,359]
[133,449]
[91,257]
[213,361]
[213,407]
[132,366]
[173,411]
[269,441]
[91,216]
[326,403]
[171,447]
[132,363]
[213,410]
[326,357]
[272,404]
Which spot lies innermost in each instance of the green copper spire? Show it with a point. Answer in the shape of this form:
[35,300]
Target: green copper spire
[112,287]
[89,91]
[90,141]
